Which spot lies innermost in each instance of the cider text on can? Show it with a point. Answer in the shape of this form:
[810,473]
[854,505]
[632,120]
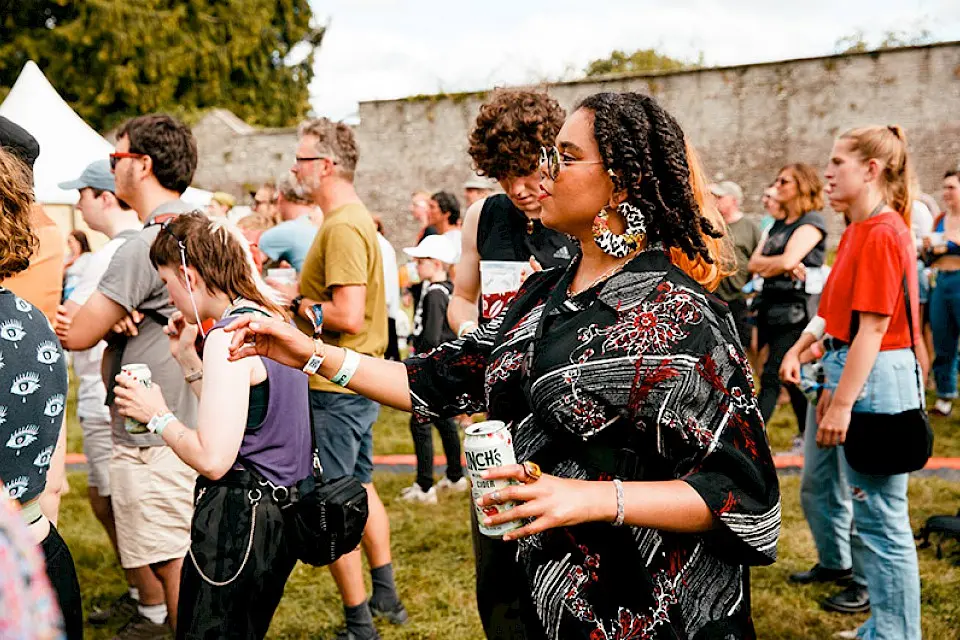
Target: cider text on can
[140,373]
[488,445]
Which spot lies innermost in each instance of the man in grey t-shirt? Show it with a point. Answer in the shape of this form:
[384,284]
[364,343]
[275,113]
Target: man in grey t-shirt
[152,489]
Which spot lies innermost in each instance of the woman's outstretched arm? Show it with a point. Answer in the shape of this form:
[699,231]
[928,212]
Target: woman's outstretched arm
[383,381]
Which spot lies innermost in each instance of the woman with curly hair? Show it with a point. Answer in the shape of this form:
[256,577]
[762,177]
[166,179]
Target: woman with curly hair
[33,389]
[795,243]
[645,486]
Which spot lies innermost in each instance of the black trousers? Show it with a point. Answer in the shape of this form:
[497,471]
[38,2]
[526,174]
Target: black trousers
[503,594]
[220,543]
[423,446]
[780,339]
[63,578]
[393,342]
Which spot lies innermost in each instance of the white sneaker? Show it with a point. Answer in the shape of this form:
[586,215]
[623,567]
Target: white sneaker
[414,493]
[943,407]
[848,635]
[459,486]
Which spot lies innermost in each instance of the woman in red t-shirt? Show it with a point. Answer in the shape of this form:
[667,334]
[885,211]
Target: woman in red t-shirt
[869,367]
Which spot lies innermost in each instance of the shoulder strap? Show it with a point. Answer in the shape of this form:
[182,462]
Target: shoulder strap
[160,219]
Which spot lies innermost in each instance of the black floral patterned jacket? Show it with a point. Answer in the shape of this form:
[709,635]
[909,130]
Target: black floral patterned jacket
[641,377]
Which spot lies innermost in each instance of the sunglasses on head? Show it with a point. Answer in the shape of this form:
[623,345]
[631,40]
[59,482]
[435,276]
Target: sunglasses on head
[182,245]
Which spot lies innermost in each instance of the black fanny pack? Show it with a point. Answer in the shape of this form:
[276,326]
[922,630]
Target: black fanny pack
[323,519]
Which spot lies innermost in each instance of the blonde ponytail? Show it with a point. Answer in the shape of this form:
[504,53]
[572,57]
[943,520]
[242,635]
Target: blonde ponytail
[888,145]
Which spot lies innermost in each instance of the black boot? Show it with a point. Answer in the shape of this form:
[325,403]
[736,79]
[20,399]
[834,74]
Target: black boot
[853,599]
[819,573]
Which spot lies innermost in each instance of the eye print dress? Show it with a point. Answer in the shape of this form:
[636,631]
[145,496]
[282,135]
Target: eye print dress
[33,392]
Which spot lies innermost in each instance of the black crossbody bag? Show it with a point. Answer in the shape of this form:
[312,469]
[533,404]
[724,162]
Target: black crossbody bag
[323,519]
[886,444]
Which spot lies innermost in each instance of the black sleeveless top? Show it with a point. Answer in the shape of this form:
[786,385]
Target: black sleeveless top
[503,233]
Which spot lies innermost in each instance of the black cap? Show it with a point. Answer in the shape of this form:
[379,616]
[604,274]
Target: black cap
[18,141]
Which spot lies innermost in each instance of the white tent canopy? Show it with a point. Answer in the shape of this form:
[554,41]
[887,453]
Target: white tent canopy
[67,143]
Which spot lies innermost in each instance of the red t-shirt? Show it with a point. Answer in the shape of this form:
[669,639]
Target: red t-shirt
[867,276]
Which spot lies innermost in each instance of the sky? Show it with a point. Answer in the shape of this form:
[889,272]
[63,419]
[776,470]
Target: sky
[383,49]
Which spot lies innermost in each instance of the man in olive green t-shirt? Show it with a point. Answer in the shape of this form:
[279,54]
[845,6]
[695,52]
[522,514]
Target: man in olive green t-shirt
[343,272]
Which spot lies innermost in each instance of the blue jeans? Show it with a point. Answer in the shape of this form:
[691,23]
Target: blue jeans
[825,497]
[343,423]
[945,323]
[883,545]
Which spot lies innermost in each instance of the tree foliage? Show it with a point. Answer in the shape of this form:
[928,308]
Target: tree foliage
[857,43]
[114,59]
[641,60]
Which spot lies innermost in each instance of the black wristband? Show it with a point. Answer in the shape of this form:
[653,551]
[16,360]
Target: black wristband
[295,305]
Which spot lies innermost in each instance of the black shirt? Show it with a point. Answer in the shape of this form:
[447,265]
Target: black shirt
[505,233]
[430,326]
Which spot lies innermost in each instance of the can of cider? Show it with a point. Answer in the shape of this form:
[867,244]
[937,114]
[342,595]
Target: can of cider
[488,445]
[140,373]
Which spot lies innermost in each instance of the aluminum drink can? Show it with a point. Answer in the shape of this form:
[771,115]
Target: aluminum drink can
[487,445]
[141,374]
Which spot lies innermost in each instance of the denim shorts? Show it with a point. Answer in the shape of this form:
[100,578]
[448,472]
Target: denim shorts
[343,423]
[923,282]
[891,386]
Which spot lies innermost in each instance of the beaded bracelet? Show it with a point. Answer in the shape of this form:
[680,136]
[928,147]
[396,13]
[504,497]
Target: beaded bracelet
[619,520]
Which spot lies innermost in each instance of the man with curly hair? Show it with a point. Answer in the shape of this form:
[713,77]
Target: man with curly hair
[505,145]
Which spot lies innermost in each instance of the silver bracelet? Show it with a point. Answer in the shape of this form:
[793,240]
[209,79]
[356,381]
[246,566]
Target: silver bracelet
[619,520]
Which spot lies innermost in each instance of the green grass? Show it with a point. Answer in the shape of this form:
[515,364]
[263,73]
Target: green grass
[434,565]
[434,562]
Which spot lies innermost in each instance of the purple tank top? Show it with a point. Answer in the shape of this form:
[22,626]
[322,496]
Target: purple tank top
[280,447]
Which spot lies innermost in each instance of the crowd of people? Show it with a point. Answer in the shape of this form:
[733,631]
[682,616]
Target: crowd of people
[596,293]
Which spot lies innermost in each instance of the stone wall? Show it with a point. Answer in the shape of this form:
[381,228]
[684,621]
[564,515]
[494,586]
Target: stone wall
[237,158]
[746,121]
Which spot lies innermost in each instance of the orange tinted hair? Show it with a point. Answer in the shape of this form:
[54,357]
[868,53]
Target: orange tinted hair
[720,249]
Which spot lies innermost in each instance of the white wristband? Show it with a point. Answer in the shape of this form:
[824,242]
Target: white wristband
[816,327]
[466,327]
[316,358]
[159,422]
[351,360]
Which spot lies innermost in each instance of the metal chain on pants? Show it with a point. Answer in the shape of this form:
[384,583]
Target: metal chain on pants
[246,556]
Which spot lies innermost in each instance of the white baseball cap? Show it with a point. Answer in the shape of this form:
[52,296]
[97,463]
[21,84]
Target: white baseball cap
[727,188]
[477,181]
[436,247]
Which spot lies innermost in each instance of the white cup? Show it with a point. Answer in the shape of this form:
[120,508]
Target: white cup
[285,276]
